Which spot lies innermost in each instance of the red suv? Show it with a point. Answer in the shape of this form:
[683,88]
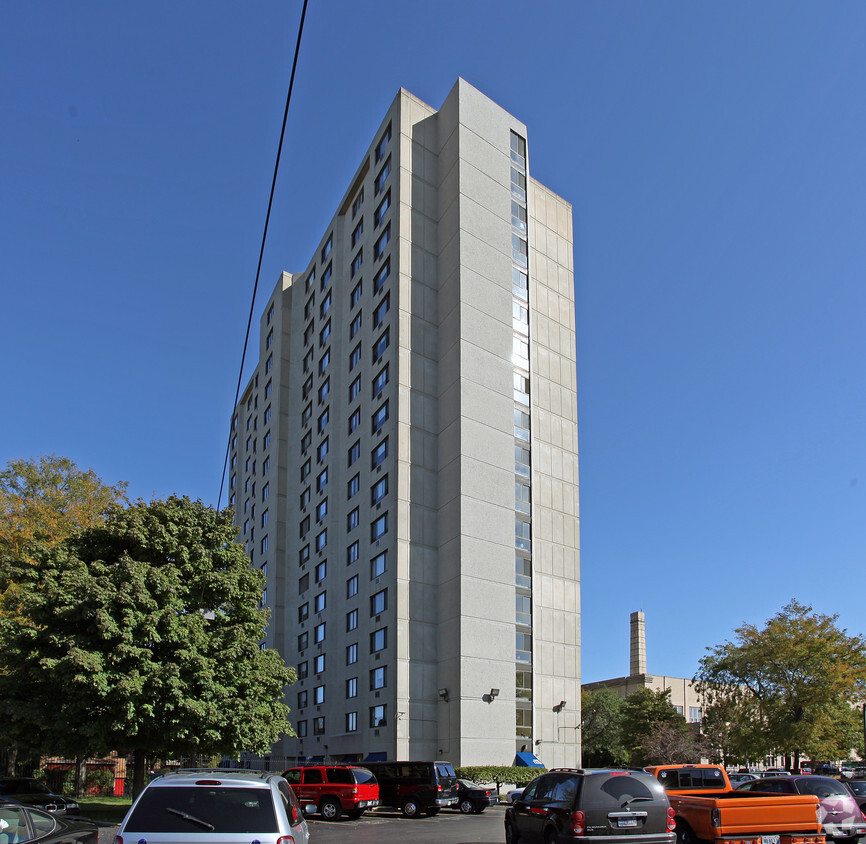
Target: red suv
[335,789]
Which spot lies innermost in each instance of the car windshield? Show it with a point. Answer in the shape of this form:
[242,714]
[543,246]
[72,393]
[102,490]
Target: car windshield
[823,787]
[22,786]
[187,809]
[858,787]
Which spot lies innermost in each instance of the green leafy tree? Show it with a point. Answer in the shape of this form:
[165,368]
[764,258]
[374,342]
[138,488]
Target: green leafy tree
[601,728]
[791,683]
[643,712]
[143,637]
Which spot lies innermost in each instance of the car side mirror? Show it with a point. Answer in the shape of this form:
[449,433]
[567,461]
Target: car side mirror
[310,809]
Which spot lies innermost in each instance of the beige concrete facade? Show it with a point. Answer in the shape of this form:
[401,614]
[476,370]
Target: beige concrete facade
[422,509]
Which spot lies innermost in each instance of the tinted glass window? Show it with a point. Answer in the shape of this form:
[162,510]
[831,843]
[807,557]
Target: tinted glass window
[362,775]
[185,810]
[293,776]
[824,787]
[341,775]
[312,776]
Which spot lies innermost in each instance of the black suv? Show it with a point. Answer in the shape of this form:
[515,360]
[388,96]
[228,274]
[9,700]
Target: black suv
[612,806]
[415,787]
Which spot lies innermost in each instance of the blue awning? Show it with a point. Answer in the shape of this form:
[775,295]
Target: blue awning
[375,757]
[527,760]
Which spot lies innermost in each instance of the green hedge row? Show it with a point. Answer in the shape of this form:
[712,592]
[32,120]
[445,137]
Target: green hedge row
[499,774]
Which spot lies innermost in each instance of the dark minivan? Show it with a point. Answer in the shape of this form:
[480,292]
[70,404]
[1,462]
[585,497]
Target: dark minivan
[415,787]
[609,806]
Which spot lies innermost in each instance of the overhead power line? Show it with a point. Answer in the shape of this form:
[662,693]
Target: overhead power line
[264,239]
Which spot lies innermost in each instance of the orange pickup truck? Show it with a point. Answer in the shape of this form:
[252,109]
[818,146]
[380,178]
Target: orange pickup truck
[708,809]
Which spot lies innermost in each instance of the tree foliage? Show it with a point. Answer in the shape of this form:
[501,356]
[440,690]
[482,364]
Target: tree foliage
[643,712]
[143,637]
[601,728]
[789,686]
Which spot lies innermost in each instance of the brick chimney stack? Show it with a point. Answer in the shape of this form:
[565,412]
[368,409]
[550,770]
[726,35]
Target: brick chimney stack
[638,644]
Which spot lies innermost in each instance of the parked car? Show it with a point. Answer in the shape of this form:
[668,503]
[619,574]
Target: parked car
[20,824]
[335,789]
[33,792]
[602,805]
[415,787]
[512,795]
[857,787]
[215,806]
[472,797]
[838,811]
[737,777]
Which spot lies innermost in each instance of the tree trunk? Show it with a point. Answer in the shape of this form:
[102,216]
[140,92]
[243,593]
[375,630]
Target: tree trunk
[138,773]
[80,775]
[11,759]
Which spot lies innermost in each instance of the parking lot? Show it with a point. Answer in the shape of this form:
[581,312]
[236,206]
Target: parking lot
[448,827]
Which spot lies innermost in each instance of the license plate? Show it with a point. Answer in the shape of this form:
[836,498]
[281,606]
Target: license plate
[769,839]
[632,822]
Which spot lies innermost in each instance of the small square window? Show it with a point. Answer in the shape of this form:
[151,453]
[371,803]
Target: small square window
[379,715]
[379,490]
[379,453]
[379,602]
[379,565]
[353,486]
[351,722]
[379,527]
[352,586]
[321,571]
[353,519]
[352,687]
[322,539]
[351,620]
[319,664]
[353,553]
[352,654]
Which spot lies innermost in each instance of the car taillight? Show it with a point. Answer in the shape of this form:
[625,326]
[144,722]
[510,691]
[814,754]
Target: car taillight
[118,839]
[439,787]
[286,839]
[715,817]
[672,823]
[578,823]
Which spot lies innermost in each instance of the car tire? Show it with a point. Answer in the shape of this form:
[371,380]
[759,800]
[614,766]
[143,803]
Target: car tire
[685,834]
[512,836]
[551,837]
[410,809]
[466,807]
[355,814]
[479,809]
[330,809]
[432,811]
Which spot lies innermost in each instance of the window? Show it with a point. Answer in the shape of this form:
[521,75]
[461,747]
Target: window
[523,652]
[324,360]
[264,544]
[355,357]
[303,670]
[380,380]
[359,201]
[325,333]
[354,452]
[303,612]
[523,685]
[381,179]
[379,715]
[322,479]
[352,654]
[518,216]
[355,327]
[522,498]
[322,540]
[357,262]
[308,334]
[353,486]
[518,149]
[522,535]
[320,602]
[266,466]
[379,490]
[357,232]
[319,664]
[384,205]
[379,418]
[352,520]
[268,413]
[379,602]
[351,723]
[321,510]
[268,389]
[302,699]
[326,249]
[381,276]
[311,278]
[379,565]
[305,498]
[379,453]
[521,424]
[379,527]
[269,363]
[379,678]
[355,388]
[523,723]
[379,640]
[323,420]
[304,526]
[352,687]
[381,344]
[266,440]
[355,295]
[305,469]
[326,276]
[381,309]
[351,620]
[518,184]
[308,387]
[321,571]
[355,420]
[521,388]
[352,586]
[519,250]
[381,243]
[319,726]
[303,640]
[308,308]
[302,729]
[266,492]
[522,572]
[523,610]
[694,714]
[304,557]
[319,631]
[270,339]
[322,451]
[324,390]
[383,143]
[352,553]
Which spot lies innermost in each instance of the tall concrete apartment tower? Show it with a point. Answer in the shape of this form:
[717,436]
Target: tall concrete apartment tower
[404,458]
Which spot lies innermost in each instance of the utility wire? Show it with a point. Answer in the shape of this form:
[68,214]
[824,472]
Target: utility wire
[264,238]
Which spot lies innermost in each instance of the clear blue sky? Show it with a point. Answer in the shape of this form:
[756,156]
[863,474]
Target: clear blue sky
[715,155]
